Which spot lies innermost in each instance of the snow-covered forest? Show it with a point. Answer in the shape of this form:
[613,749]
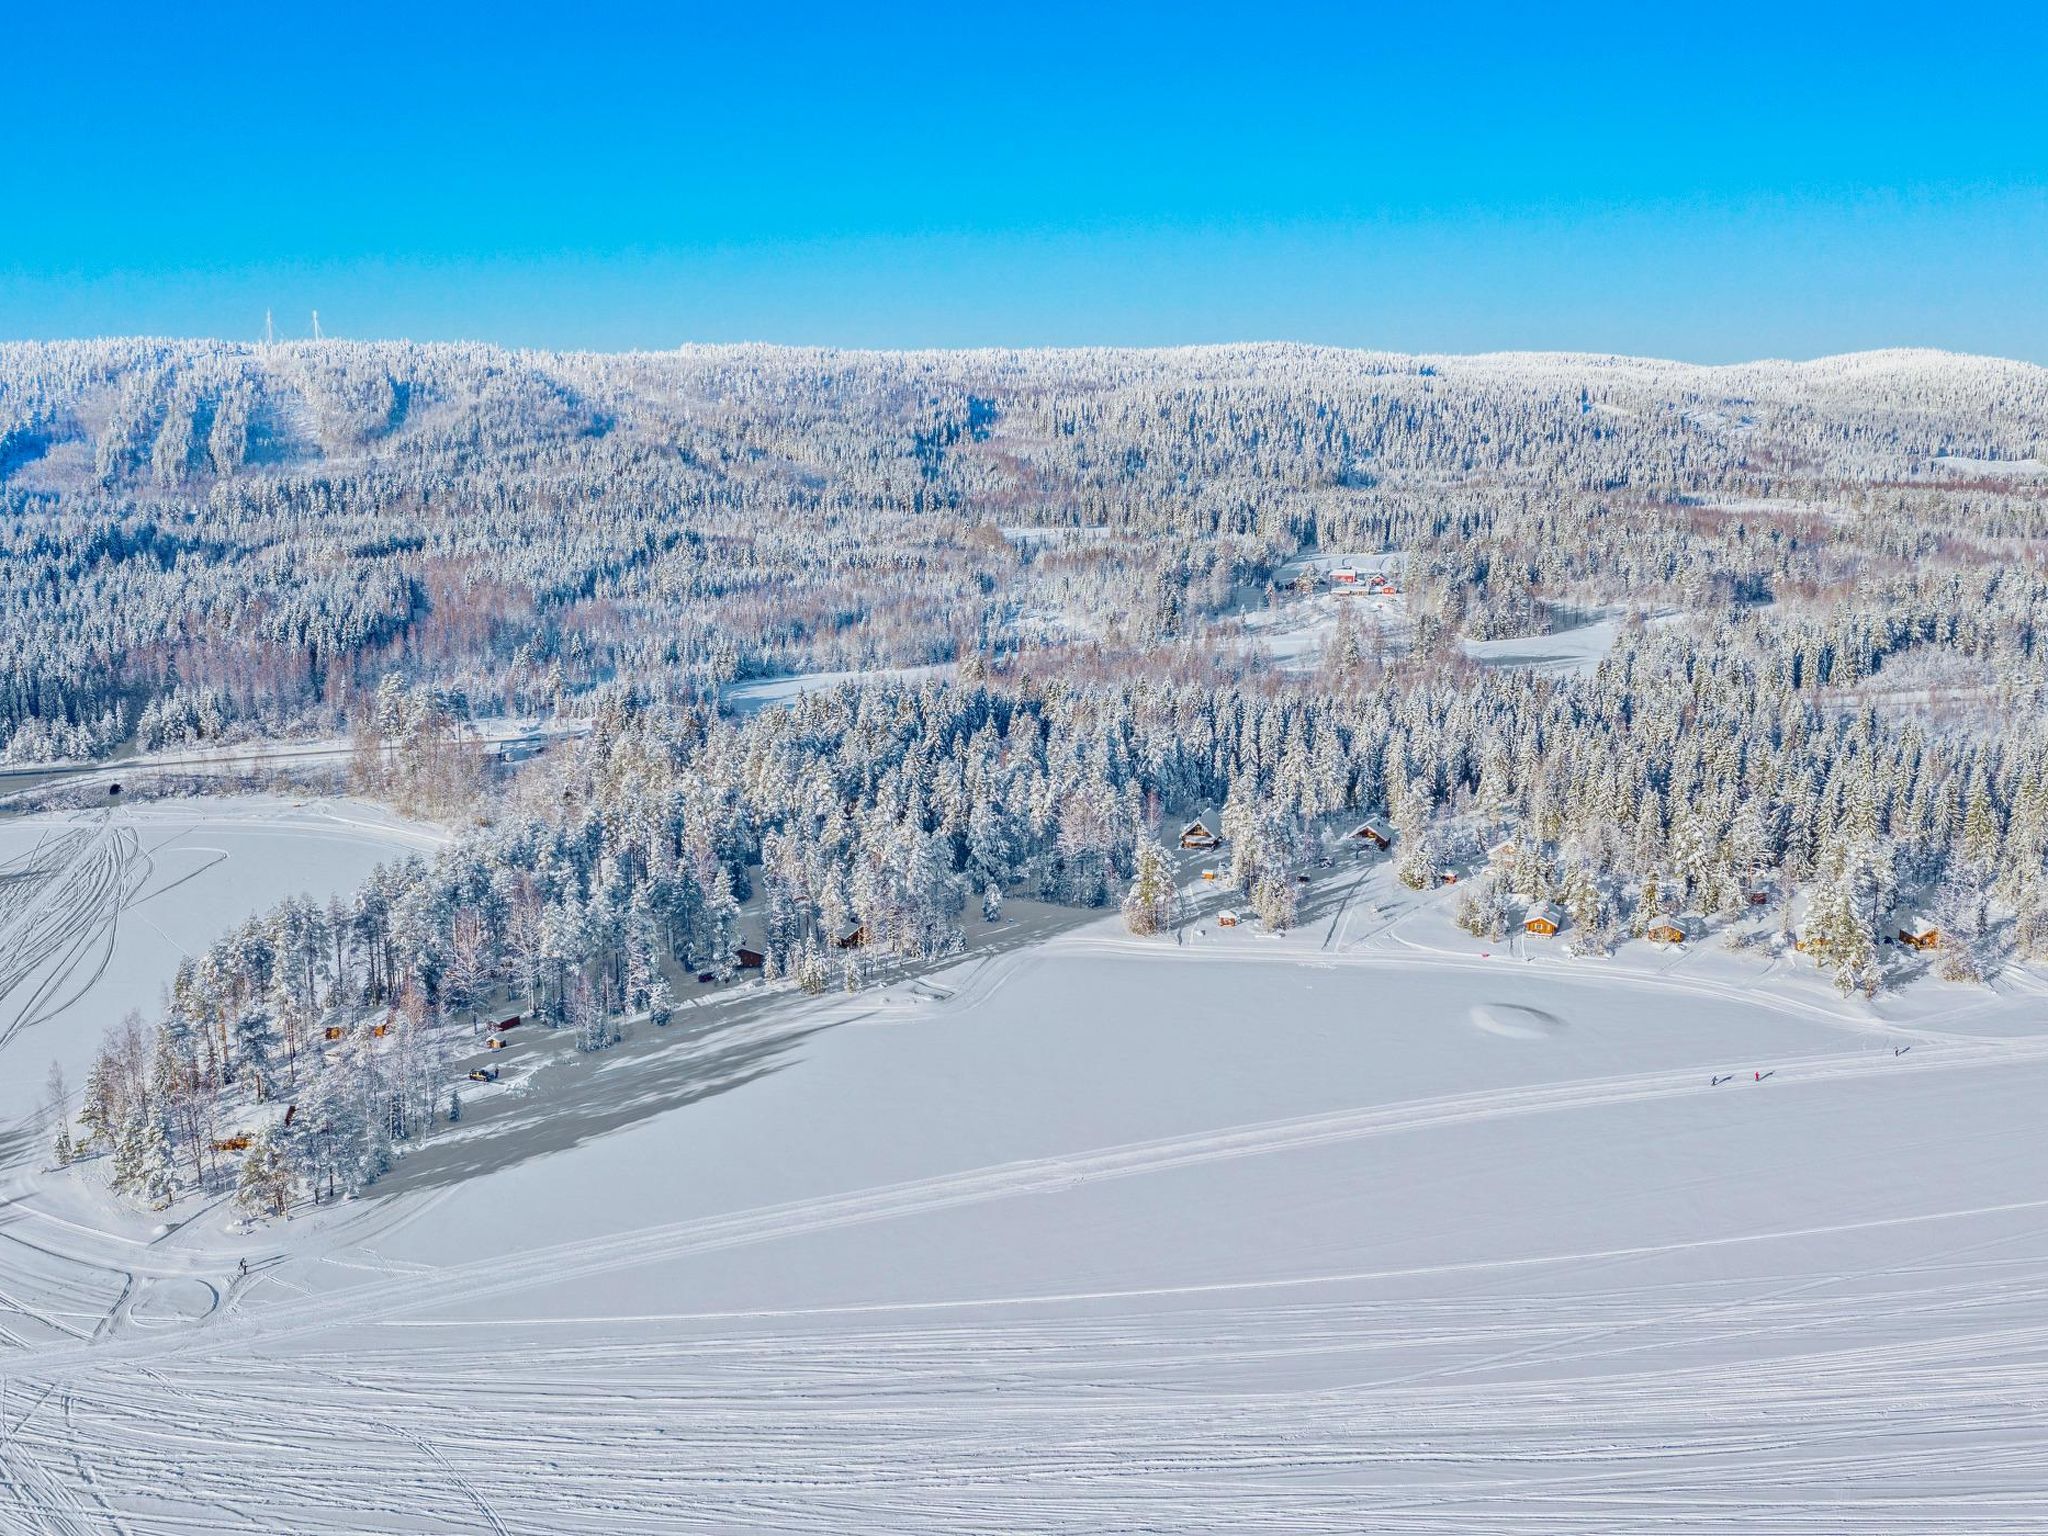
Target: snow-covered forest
[1826,692]
[205,537]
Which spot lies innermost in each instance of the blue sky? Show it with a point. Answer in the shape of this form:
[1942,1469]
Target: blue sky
[1726,182]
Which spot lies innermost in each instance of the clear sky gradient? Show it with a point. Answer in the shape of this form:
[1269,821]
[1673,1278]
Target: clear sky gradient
[1710,183]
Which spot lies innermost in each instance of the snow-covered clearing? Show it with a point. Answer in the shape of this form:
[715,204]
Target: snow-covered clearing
[1055,535]
[1769,506]
[1295,632]
[758,693]
[1964,464]
[1579,649]
[1349,1229]
[243,759]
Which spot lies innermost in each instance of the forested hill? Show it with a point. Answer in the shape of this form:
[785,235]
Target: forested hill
[251,535]
[1821,700]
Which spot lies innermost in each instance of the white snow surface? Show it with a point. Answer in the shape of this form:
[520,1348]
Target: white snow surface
[1578,650]
[98,907]
[1349,1229]
[757,693]
[1964,464]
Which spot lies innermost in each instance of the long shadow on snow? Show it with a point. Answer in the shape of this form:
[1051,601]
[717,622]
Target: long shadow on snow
[576,1098]
[720,1041]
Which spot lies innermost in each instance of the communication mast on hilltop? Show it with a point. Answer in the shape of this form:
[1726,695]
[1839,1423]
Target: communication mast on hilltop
[269,336]
[316,325]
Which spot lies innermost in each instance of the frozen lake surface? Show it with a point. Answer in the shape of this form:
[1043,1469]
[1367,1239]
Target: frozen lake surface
[1102,1234]
[98,907]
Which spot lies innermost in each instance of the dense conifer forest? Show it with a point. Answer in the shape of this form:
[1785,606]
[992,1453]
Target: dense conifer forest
[1826,692]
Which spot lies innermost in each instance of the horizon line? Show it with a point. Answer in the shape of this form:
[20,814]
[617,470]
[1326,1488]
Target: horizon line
[1902,351]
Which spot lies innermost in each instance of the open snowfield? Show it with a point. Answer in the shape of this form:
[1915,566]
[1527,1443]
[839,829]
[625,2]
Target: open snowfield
[1579,649]
[1350,1230]
[758,693]
[249,759]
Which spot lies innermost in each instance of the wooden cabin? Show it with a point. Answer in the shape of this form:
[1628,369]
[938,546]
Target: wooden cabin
[231,1144]
[852,939]
[1918,932]
[1197,835]
[1543,919]
[379,1031]
[749,959]
[1226,919]
[505,1024]
[333,1032]
[1448,877]
[1665,930]
[1369,832]
[1344,576]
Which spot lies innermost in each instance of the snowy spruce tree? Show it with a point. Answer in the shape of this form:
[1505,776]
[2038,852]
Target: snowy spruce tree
[1152,903]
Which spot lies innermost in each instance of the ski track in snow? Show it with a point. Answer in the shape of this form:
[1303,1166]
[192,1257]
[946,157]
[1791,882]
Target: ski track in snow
[1605,1409]
[1095,1420]
[1755,1380]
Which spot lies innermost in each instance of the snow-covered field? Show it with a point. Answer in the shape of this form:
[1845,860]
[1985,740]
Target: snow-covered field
[1295,634]
[245,759]
[1347,1230]
[1963,464]
[1579,649]
[758,693]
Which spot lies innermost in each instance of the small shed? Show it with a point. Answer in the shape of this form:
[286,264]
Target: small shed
[1666,930]
[1919,932]
[853,939]
[1448,877]
[1196,834]
[1370,832]
[749,959]
[1543,919]
[1226,919]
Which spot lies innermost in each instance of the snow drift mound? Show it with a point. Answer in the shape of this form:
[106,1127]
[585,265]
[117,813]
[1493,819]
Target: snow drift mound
[1515,1022]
